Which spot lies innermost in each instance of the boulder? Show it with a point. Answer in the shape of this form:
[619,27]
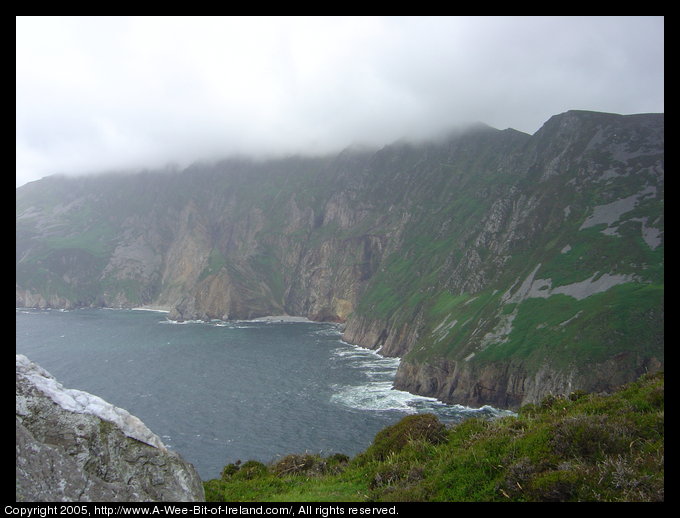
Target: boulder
[74,446]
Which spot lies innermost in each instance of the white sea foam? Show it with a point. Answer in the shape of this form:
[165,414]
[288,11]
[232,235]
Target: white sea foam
[213,323]
[378,392]
[244,324]
[332,330]
[281,318]
[182,322]
[377,396]
[151,308]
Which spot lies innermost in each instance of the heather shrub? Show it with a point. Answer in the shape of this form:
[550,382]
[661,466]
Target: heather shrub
[590,437]
[296,464]
[393,439]
[554,486]
[250,470]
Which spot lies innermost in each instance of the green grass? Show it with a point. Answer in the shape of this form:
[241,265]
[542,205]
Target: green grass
[592,251]
[577,332]
[216,261]
[97,241]
[580,447]
[567,333]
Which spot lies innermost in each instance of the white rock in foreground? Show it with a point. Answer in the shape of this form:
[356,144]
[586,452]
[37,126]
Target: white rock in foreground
[74,446]
[85,403]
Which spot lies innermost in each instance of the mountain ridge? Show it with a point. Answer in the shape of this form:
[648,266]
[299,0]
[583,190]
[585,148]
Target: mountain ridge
[453,255]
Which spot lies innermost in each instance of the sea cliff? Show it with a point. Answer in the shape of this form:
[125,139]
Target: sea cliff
[500,266]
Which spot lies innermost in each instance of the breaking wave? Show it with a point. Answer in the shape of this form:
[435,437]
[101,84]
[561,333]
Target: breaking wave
[376,392]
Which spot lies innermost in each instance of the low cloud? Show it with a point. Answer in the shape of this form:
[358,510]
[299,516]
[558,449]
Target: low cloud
[106,93]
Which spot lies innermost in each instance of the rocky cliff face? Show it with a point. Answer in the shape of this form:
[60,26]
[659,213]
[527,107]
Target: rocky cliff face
[562,266]
[73,446]
[488,255]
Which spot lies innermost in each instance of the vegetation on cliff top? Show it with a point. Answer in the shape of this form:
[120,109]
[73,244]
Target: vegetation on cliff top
[584,447]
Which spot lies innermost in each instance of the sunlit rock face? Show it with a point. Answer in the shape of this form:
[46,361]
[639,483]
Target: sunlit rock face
[74,446]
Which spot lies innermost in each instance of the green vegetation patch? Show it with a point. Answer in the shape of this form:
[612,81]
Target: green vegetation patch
[69,273]
[393,439]
[452,323]
[577,332]
[216,261]
[592,251]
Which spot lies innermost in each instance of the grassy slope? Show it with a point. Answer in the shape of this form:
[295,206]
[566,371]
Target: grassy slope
[559,329]
[72,229]
[583,447]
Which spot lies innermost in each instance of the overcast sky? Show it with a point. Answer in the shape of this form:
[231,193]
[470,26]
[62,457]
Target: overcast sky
[102,93]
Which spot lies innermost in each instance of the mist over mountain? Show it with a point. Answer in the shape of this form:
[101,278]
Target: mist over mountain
[109,93]
[500,266]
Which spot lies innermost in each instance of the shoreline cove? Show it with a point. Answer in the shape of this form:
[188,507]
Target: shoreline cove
[287,319]
[218,391]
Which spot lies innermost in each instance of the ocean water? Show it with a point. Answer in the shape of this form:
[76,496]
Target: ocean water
[218,392]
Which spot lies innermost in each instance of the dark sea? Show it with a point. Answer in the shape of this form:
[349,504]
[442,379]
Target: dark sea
[218,392]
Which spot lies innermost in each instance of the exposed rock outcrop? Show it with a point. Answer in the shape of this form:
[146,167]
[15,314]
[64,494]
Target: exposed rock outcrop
[74,446]
[510,385]
[481,259]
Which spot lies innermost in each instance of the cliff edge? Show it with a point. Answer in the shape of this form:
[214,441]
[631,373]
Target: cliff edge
[74,446]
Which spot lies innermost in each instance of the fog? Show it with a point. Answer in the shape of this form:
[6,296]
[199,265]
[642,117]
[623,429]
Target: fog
[109,93]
